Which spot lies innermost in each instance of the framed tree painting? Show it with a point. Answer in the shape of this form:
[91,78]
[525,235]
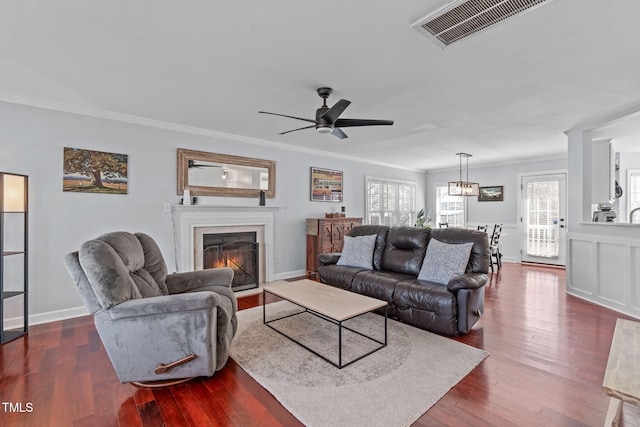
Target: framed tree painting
[326,185]
[491,194]
[88,171]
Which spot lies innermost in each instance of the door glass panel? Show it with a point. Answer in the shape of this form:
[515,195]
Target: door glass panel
[543,213]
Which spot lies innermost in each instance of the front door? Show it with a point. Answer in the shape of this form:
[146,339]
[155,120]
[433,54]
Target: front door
[544,225]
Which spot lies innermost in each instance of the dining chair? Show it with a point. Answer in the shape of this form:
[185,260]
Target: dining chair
[443,225]
[483,228]
[494,247]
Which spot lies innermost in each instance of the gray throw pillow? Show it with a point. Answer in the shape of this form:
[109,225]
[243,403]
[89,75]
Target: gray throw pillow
[444,261]
[358,251]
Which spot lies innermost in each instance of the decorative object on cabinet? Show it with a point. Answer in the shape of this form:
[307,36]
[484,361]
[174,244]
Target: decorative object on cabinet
[326,235]
[491,194]
[14,248]
[223,175]
[326,185]
[88,171]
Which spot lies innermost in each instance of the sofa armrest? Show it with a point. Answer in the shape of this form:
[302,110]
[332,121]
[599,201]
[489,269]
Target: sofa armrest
[182,282]
[467,281]
[164,304]
[328,258]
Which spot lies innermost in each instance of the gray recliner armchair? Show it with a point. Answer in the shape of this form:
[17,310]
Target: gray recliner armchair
[155,327]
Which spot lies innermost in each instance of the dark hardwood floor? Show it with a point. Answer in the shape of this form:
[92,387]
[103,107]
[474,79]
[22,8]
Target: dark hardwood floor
[548,353]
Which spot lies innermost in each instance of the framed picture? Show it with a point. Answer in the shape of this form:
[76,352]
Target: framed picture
[491,194]
[88,171]
[326,185]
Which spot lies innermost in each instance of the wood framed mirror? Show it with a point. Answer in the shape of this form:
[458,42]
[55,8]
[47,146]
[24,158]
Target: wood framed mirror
[223,175]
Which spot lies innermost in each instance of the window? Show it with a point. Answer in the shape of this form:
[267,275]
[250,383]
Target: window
[390,202]
[449,209]
[633,193]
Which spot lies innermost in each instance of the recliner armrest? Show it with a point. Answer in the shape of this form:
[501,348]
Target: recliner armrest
[164,304]
[467,281]
[191,280]
[328,258]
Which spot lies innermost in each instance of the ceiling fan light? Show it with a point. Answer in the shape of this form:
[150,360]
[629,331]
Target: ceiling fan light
[324,129]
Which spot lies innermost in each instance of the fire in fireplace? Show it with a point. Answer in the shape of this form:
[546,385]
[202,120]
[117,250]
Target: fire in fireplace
[236,250]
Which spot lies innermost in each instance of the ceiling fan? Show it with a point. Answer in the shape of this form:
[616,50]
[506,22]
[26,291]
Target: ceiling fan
[328,119]
[192,164]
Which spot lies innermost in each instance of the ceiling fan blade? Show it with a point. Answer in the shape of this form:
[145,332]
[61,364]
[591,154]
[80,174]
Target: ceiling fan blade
[343,123]
[293,130]
[291,117]
[193,164]
[338,132]
[334,112]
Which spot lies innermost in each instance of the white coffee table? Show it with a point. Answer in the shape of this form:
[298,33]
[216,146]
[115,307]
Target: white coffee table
[327,302]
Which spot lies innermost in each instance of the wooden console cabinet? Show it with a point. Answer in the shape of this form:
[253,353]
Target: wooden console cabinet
[326,235]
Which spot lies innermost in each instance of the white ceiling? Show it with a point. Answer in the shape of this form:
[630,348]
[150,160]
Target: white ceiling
[506,94]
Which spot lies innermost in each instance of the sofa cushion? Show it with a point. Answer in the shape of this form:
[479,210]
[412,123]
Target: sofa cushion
[381,232]
[107,273]
[444,261]
[405,249]
[114,264]
[338,276]
[154,262]
[358,252]
[479,259]
[427,305]
[377,284]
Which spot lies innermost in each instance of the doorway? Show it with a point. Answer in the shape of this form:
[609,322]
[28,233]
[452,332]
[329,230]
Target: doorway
[543,201]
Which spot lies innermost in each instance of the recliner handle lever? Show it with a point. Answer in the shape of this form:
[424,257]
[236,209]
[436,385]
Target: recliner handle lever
[162,368]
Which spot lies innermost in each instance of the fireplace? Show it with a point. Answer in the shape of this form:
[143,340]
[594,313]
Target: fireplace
[239,251]
[191,223]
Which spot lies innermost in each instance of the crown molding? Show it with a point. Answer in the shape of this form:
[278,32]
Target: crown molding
[143,121]
[503,163]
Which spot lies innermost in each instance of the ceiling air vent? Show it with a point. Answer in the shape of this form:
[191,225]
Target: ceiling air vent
[463,18]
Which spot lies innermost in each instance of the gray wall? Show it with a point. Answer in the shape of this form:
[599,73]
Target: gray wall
[490,213]
[506,175]
[32,141]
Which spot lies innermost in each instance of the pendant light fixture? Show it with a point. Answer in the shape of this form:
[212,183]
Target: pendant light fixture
[464,188]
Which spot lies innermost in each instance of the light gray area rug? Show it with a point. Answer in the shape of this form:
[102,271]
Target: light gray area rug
[391,387]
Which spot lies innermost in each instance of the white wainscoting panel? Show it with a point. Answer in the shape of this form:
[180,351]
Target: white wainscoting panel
[604,270]
[635,276]
[581,254]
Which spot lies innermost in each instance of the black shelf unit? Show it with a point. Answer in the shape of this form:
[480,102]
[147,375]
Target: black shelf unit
[13,246]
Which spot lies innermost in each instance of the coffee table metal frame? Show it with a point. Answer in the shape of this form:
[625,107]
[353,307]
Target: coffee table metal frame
[339,323]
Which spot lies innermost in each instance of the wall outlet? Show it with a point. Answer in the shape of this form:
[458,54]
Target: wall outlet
[167,207]
[277,259]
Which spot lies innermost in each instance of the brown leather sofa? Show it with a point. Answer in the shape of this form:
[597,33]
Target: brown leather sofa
[450,309]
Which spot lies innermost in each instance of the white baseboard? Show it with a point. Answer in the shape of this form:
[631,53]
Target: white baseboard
[69,313]
[50,316]
[289,274]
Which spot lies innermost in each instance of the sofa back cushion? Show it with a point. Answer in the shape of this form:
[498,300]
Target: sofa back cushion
[479,258]
[381,232]
[82,283]
[405,249]
[114,265]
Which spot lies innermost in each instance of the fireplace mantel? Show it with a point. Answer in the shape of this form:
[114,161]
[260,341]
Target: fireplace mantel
[222,209]
[188,219]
